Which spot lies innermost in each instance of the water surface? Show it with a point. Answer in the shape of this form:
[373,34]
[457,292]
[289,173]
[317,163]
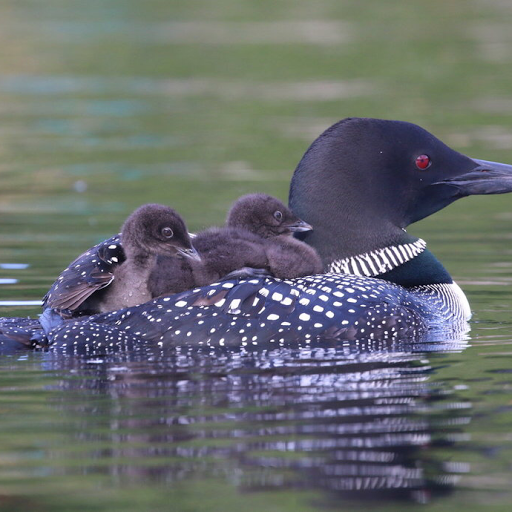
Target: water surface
[107,105]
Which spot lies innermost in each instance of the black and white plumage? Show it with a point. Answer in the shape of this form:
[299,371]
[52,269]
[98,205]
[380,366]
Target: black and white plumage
[360,184]
[89,273]
[380,261]
[328,308]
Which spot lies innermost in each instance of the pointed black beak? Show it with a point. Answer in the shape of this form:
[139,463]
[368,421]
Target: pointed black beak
[485,178]
[299,227]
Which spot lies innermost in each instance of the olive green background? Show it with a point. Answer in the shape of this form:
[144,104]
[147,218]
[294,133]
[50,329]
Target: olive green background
[108,104]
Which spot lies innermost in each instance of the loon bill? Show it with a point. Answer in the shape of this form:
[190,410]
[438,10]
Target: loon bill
[360,184]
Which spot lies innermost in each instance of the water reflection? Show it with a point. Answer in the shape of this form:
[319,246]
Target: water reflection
[366,424]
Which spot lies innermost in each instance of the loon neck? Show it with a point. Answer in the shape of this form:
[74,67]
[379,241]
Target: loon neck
[408,263]
[424,269]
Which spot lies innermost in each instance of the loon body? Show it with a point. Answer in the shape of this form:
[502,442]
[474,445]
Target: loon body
[332,308]
[360,184]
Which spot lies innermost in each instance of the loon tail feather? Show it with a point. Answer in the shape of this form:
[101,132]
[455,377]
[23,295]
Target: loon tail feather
[18,333]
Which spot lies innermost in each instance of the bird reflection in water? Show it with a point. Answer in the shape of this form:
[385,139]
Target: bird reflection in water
[362,421]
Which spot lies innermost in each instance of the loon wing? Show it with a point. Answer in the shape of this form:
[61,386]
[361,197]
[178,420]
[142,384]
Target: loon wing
[91,271]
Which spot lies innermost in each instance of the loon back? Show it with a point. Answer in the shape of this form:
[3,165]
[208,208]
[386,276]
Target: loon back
[360,184]
[261,313]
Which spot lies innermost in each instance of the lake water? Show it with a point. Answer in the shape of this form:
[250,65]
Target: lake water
[105,105]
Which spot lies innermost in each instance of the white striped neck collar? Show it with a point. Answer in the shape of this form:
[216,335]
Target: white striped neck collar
[379,261]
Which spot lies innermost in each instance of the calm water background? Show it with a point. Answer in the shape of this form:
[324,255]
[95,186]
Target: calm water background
[105,105]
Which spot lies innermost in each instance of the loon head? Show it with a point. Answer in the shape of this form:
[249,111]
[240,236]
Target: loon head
[156,229]
[363,181]
[265,216]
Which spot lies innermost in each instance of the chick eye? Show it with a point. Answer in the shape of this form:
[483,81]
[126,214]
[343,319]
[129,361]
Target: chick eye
[278,215]
[423,162]
[167,232]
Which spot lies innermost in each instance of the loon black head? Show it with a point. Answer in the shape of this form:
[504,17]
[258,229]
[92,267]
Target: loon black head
[156,229]
[363,181]
[265,216]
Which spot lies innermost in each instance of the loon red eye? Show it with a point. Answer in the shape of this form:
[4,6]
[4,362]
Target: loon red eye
[423,162]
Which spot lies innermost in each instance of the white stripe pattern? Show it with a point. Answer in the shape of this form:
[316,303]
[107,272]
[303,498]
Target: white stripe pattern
[451,300]
[374,263]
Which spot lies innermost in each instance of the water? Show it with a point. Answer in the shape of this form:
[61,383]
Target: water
[106,105]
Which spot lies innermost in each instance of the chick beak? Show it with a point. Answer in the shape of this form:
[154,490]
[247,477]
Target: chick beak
[299,226]
[190,253]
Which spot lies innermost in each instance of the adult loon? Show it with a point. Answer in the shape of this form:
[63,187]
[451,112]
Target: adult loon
[360,184]
[257,240]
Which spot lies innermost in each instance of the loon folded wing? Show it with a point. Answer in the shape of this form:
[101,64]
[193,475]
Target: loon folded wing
[90,272]
[18,334]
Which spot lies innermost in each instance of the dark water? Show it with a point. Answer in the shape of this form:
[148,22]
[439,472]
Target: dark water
[105,105]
